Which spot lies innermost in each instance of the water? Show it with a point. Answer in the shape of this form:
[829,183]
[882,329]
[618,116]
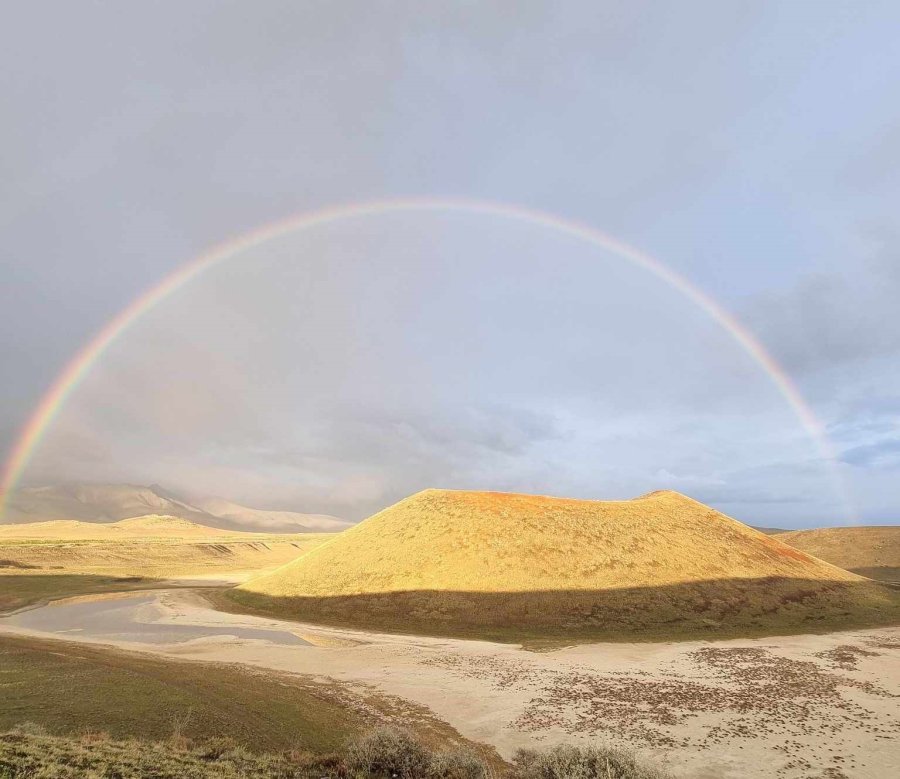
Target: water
[131,619]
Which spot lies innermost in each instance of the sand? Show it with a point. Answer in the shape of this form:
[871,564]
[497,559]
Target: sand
[799,706]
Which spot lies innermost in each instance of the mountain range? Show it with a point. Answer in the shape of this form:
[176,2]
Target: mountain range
[113,502]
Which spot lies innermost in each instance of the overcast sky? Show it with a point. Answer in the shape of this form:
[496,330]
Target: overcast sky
[753,148]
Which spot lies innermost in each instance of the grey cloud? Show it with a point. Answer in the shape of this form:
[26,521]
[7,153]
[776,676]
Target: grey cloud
[866,415]
[882,454]
[835,319]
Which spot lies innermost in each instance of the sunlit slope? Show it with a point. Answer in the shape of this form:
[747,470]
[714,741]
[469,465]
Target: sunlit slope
[153,525]
[495,542]
[492,559]
[870,551]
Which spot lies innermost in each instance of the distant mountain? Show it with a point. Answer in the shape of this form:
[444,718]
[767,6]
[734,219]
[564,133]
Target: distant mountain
[96,503]
[112,502]
[770,531]
[270,521]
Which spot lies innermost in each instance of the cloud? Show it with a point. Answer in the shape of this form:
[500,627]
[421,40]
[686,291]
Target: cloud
[832,320]
[882,454]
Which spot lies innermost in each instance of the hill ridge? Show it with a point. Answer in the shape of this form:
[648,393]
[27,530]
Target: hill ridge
[105,503]
[869,550]
[145,526]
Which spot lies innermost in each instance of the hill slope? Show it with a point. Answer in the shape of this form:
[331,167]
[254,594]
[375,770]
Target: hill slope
[451,561]
[769,531]
[151,546]
[869,551]
[153,525]
[112,502]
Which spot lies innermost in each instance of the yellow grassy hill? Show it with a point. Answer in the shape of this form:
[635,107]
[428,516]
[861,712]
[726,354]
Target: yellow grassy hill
[137,527]
[872,551]
[149,546]
[455,561]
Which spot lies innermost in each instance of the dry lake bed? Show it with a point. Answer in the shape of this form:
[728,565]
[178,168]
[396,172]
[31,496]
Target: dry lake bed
[795,706]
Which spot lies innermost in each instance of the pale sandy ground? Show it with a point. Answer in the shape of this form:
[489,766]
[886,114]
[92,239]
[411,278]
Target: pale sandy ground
[801,706]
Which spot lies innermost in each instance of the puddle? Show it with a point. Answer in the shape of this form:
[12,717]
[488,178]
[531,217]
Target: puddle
[132,619]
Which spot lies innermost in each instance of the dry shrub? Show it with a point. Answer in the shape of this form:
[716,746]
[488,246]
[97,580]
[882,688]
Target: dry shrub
[391,752]
[567,762]
[457,764]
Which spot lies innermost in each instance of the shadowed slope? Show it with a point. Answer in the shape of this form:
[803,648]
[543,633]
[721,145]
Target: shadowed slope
[455,560]
[869,551]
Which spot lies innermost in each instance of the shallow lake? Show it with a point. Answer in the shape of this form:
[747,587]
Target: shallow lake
[135,618]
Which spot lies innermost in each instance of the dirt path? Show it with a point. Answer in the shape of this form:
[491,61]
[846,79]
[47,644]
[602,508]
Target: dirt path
[802,706]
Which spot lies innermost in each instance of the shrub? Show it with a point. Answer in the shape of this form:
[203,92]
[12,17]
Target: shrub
[389,752]
[457,764]
[566,762]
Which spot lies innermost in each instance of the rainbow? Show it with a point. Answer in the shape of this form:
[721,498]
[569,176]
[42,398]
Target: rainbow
[79,366]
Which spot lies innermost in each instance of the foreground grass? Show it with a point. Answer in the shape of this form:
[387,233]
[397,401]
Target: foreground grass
[72,688]
[24,588]
[378,754]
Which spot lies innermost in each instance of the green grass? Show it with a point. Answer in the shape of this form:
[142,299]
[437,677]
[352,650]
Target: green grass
[72,688]
[25,589]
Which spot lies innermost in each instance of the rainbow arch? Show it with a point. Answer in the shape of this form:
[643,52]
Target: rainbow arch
[79,366]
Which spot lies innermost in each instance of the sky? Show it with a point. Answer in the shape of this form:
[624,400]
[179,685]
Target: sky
[751,148]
